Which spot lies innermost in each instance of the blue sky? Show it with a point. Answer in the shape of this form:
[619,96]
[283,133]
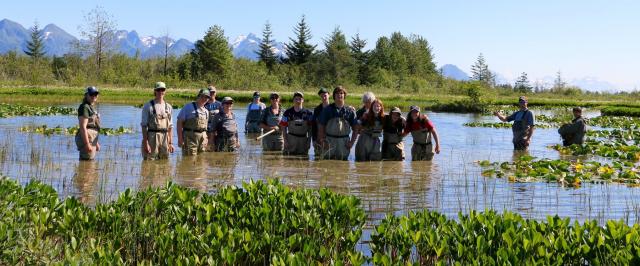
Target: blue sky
[580,38]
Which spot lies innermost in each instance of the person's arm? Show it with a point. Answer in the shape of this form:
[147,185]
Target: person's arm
[355,130]
[82,124]
[170,131]
[531,122]
[501,116]
[434,132]
[143,124]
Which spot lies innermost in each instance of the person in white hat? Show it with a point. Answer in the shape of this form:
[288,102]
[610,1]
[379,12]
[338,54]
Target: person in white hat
[157,135]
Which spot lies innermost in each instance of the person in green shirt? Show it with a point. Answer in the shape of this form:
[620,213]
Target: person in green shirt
[89,125]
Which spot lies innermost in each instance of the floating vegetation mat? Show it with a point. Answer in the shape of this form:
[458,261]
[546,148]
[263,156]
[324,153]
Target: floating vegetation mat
[10,110]
[44,129]
[568,173]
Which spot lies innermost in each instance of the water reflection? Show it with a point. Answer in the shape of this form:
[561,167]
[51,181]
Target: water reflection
[450,183]
[86,181]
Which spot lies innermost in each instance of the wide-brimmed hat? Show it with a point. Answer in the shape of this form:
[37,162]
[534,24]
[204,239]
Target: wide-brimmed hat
[395,110]
[298,94]
[227,100]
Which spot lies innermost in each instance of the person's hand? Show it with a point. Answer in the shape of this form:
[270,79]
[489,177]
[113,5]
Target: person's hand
[171,149]
[180,143]
[88,149]
[350,144]
[147,147]
[437,148]
[97,146]
[497,113]
[528,141]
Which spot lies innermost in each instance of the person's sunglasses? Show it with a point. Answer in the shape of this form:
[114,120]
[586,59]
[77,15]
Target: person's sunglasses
[93,94]
[161,90]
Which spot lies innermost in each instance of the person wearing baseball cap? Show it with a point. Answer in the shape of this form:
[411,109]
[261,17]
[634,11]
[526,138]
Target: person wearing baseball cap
[88,125]
[296,127]
[157,126]
[523,124]
[423,132]
[324,98]
[213,106]
[254,114]
[193,120]
[225,128]
[270,122]
[392,139]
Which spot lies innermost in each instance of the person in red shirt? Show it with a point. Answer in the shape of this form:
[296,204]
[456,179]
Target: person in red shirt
[422,130]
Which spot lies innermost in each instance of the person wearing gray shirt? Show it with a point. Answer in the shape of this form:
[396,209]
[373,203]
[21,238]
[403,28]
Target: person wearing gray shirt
[157,137]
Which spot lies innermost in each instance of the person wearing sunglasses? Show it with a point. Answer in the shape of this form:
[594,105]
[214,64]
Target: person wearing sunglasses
[523,124]
[89,125]
[157,137]
[191,128]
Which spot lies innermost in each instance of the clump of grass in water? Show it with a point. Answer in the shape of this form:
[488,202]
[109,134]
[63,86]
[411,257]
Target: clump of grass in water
[48,131]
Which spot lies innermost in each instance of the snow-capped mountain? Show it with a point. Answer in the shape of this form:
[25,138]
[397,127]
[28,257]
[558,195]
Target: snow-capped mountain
[453,72]
[247,46]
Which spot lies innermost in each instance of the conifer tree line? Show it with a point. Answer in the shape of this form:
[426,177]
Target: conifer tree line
[395,63]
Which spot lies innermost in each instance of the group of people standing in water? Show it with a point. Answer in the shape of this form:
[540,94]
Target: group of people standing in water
[331,128]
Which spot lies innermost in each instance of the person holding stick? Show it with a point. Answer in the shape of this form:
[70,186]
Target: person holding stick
[272,139]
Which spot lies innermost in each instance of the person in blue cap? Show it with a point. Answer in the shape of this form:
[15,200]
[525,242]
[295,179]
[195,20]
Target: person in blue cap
[89,125]
[523,124]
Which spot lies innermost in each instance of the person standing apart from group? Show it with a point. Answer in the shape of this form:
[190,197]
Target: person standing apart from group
[573,133]
[193,120]
[423,131]
[254,114]
[296,127]
[393,127]
[368,145]
[225,128]
[335,123]
[88,125]
[324,98]
[157,137]
[523,124]
[272,139]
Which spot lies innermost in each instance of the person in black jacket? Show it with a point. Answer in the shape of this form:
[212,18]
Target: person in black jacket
[573,133]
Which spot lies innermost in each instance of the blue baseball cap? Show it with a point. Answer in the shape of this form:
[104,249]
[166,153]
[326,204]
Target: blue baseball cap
[92,90]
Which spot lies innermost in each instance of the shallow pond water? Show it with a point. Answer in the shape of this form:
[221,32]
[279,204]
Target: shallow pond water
[450,183]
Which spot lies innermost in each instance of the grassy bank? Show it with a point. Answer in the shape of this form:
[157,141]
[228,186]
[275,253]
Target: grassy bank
[439,100]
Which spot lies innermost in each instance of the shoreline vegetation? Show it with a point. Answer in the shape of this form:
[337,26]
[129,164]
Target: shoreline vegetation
[614,105]
[267,222]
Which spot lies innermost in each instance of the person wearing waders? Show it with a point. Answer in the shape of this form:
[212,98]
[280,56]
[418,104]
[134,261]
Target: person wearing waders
[213,106]
[324,97]
[335,123]
[523,124]
[88,125]
[367,99]
[392,128]
[254,114]
[423,131]
[225,128]
[157,137]
[192,125]
[296,127]
[368,145]
[270,122]
[573,133]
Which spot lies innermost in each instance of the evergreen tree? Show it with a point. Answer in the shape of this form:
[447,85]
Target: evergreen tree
[480,72]
[212,54]
[338,55]
[420,58]
[35,46]
[361,60]
[522,84]
[299,50]
[266,54]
